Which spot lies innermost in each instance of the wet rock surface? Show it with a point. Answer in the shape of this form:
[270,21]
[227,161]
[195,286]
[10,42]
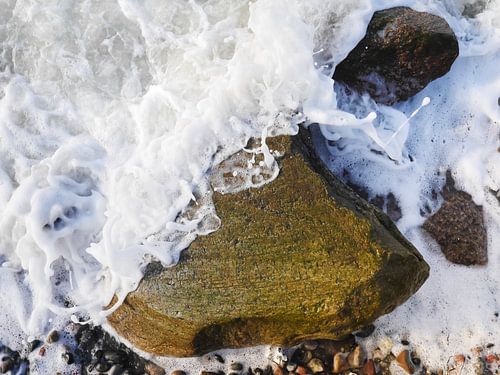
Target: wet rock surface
[458,227]
[402,52]
[305,234]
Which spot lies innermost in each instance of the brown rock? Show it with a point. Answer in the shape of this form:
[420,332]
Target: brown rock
[41,351]
[404,361]
[340,363]
[402,52]
[356,358]
[152,368]
[369,368]
[458,227]
[316,365]
[52,337]
[304,235]
[300,370]
[459,358]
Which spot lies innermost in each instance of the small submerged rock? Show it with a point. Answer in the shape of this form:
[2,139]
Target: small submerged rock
[402,52]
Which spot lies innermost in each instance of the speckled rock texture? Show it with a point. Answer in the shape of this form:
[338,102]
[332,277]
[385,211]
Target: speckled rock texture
[402,52]
[458,227]
[301,257]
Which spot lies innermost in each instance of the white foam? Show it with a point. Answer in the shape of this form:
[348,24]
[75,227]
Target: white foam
[112,112]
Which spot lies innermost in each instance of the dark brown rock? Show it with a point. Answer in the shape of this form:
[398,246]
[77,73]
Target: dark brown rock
[52,337]
[299,258]
[402,52]
[458,227]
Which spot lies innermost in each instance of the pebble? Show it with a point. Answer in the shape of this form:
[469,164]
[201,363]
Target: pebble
[34,344]
[6,364]
[356,358]
[316,366]
[219,358]
[42,351]
[490,358]
[339,363]
[236,366]
[404,361]
[291,366]
[459,358]
[52,337]
[153,369]
[68,357]
[369,368]
[301,370]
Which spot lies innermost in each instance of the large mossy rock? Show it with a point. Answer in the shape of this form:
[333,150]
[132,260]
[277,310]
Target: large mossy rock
[301,257]
[402,52]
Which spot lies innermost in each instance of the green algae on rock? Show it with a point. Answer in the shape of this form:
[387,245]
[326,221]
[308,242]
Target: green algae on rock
[301,257]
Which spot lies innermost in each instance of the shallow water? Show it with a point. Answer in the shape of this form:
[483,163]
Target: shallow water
[112,112]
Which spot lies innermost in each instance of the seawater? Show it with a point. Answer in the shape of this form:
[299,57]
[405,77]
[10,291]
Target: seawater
[113,111]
